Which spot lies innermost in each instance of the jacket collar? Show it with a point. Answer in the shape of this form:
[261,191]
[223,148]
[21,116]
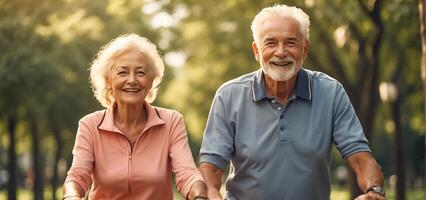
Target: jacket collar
[154,118]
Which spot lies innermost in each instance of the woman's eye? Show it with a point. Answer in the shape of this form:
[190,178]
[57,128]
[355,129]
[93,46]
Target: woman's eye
[140,73]
[121,73]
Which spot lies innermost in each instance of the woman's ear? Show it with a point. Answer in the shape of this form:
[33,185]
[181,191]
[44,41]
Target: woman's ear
[108,82]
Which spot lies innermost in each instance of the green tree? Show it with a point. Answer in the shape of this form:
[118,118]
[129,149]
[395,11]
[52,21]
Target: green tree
[422,17]
[22,70]
[48,46]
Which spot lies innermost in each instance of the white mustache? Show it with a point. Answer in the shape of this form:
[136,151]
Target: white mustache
[285,59]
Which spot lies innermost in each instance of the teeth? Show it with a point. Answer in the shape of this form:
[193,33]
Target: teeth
[281,63]
[131,90]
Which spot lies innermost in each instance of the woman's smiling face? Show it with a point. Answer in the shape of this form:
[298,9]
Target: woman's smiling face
[130,78]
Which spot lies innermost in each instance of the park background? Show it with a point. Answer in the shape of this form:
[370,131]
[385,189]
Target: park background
[373,47]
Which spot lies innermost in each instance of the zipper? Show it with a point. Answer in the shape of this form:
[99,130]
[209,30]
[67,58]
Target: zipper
[130,163]
[130,169]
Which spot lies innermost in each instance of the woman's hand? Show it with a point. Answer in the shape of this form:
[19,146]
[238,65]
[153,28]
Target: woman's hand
[198,191]
[72,191]
[72,197]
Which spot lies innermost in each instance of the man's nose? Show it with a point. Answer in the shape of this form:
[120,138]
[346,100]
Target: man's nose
[281,51]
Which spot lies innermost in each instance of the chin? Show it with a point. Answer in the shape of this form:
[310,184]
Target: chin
[131,102]
[134,103]
[279,75]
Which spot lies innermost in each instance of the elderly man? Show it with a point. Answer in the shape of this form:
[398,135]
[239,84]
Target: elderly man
[277,125]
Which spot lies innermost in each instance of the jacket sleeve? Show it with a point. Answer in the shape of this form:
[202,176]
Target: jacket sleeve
[182,162]
[83,157]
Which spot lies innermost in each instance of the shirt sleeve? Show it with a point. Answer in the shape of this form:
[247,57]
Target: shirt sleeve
[182,162]
[218,142]
[83,159]
[348,134]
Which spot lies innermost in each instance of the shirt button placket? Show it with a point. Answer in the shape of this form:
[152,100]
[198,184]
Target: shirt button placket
[282,126]
[281,118]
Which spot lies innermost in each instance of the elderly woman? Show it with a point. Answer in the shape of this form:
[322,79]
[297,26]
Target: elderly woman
[130,149]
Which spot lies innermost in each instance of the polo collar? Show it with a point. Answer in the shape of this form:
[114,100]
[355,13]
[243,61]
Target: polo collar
[107,122]
[258,87]
[303,86]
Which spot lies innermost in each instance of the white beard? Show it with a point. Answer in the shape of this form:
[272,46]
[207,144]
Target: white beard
[279,73]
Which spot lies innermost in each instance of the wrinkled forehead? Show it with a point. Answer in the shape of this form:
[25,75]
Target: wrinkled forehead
[275,24]
[131,55]
[128,57]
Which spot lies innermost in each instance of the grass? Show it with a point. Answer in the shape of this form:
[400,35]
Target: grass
[26,194]
[337,193]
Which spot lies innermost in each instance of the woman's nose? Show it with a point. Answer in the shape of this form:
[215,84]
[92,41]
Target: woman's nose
[132,78]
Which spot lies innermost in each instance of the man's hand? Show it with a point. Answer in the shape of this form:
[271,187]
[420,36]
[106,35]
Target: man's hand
[213,176]
[370,196]
[368,174]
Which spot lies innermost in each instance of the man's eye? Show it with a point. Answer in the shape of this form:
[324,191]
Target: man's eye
[292,43]
[270,43]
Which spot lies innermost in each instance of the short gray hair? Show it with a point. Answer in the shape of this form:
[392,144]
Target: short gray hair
[283,11]
[104,60]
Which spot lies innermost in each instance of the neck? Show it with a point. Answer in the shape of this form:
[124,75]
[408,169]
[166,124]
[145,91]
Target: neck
[130,115]
[280,90]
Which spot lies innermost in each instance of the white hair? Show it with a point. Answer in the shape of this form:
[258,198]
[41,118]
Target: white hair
[104,60]
[283,11]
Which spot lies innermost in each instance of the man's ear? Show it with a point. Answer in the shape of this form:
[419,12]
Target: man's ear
[255,50]
[306,49]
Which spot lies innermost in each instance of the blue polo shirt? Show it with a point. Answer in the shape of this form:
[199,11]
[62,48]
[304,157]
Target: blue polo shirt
[280,152]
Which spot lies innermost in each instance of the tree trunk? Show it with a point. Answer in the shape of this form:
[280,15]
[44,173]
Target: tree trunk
[422,15]
[37,164]
[11,186]
[400,169]
[58,153]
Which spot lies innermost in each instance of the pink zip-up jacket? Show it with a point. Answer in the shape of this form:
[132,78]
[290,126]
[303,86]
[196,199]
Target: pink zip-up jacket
[102,154]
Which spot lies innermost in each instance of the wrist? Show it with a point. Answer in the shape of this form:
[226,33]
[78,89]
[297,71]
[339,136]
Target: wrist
[198,190]
[214,193]
[71,196]
[376,189]
[199,197]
